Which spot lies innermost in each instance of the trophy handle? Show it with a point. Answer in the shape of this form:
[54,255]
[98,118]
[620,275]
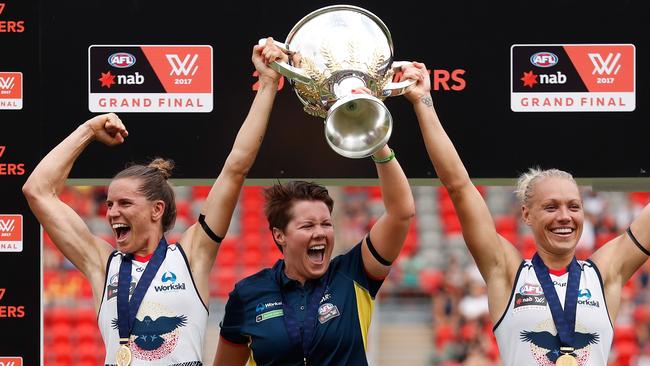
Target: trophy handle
[399,88]
[284,68]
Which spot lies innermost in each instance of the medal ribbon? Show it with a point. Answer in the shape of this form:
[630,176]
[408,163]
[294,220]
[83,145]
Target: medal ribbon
[564,319]
[291,319]
[126,310]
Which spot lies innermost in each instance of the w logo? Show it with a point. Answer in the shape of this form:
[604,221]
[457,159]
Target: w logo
[7,226]
[607,66]
[11,234]
[185,66]
[7,83]
[11,361]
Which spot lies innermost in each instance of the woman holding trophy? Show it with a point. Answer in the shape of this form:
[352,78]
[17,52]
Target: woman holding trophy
[551,309]
[144,315]
[310,309]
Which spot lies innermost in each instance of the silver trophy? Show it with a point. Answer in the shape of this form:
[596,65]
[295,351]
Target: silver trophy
[335,50]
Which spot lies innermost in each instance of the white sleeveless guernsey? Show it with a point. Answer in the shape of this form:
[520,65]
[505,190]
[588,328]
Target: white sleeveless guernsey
[171,321]
[526,333]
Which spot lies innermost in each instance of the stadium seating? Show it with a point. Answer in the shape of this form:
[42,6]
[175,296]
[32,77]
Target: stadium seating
[424,269]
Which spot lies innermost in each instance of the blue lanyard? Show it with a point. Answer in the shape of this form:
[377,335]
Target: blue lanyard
[306,340]
[126,310]
[564,319]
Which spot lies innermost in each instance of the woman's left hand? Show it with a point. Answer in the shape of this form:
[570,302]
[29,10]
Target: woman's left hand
[416,71]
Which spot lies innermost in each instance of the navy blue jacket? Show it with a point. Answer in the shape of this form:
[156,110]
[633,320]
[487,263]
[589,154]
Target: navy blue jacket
[254,314]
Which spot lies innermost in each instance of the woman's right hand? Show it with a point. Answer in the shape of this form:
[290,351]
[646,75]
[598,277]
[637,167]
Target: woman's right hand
[416,71]
[263,56]
[108,128]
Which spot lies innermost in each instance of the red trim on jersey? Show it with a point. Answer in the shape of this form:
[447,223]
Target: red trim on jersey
[557,272]
[142,259]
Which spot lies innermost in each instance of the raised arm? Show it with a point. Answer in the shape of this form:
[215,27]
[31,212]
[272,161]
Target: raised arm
[223,196]
[67,230]
[618,259]
[389,232]
[496,258]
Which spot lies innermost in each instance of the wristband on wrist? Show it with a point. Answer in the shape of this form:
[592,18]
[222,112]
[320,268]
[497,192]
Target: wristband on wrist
[386,159]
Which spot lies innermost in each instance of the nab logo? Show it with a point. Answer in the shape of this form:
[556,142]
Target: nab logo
[121,60]
[11,233]
[557,78]
[107,79]
[135,79]
[609,65]
[185,67]
[544,59]
[11,361]
[530,78]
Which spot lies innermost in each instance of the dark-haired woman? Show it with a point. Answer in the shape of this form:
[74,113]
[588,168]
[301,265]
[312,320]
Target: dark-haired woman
[310,309]
[151,296]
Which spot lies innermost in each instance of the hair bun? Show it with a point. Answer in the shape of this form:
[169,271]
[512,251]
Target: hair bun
[163,166]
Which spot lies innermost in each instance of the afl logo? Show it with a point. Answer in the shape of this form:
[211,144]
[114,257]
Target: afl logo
[531,289]
[325,308]
[121,60]
[544,59]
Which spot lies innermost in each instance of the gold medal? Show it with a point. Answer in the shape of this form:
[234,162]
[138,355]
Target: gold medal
[566,360]
[123,356]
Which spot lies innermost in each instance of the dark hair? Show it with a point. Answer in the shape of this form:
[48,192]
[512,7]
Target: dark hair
[280,199]
[154,185]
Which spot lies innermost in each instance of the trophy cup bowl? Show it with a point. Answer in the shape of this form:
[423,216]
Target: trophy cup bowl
[335,50]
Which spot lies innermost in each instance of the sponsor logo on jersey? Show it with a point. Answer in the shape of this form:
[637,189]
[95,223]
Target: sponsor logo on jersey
[529,301]
[111,287]
[559,284]
[170,283]
[531,289]
[327,311]
[269,315]
[267,305]
[584,298]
